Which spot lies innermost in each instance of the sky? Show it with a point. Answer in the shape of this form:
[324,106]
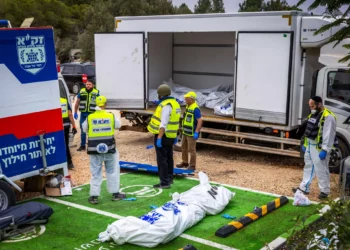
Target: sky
[232,5]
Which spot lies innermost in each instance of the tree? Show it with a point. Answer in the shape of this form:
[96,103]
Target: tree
[203,6]
[99,19]
[64,19]
[251,6]
[183,9]
[218,6]
[333,10]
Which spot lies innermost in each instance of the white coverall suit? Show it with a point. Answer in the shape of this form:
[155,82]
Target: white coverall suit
[111,162]
[313,164]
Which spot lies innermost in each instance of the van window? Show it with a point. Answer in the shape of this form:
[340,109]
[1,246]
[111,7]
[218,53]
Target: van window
[63,93]
[78,70]
[68,69]
[90,70]
[339,86]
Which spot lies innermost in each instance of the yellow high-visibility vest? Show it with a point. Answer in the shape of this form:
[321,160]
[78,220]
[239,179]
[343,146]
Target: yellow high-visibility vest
[64,107]
[88,100]
[319,139]
[188,121]
[173,125]
[101,132]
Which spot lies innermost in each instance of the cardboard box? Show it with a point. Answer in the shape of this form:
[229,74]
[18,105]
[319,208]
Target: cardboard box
[34,184]
[64,189]
[52,191]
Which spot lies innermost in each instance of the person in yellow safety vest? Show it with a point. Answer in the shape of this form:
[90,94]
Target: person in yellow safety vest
[67,119]
[100,128]
[86,102]
[164,125]
[191,126]
[320,138]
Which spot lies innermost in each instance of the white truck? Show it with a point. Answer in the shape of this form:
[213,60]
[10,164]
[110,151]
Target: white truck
[270,61]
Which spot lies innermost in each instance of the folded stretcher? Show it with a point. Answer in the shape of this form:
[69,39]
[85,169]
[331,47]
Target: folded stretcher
[23,218]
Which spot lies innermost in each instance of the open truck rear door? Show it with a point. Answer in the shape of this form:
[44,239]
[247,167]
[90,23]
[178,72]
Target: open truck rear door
[120,69]
[264,63]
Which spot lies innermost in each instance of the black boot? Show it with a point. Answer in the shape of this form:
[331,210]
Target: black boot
[82,148]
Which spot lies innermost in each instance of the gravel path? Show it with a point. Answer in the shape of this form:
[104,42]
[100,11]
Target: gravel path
[268,173]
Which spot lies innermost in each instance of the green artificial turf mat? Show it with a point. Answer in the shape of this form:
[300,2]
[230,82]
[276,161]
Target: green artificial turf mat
[254,236]
[71,228]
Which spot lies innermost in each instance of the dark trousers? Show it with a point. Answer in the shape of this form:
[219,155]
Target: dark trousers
[165,160]
[82,133]
[66,140]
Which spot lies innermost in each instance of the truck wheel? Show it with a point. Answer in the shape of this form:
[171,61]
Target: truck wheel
[7,196]
[336,156]
[76,88]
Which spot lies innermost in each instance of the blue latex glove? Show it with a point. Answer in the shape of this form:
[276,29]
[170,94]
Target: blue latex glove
[159,143]
[149,146]
[303,148]
[76,116]
[227,216]
[323,155]
[153,206]
[195,135]
[175,141]
[129,199]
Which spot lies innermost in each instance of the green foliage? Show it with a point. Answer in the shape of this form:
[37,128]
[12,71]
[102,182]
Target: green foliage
[333,10]
[251,6]
[218,6]
[209,6]
[337,223]
[261,5]
[98,19]
[183,9]
[65,20]
[76,21]
[203,6]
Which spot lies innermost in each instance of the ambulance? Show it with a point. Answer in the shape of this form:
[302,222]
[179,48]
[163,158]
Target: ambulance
[31,129]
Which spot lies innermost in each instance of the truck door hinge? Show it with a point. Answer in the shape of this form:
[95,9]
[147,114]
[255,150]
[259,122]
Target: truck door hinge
[145,40]
[145,56]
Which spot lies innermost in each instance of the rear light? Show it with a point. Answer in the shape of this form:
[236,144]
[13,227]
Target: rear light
[58,68]
[84,78]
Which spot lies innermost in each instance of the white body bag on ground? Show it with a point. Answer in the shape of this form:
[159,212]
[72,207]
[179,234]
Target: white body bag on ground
[165,223]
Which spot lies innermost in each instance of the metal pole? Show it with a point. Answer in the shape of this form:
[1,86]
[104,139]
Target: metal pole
[42,147]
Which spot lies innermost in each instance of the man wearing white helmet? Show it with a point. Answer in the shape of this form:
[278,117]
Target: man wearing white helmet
[100,127]
[191,125]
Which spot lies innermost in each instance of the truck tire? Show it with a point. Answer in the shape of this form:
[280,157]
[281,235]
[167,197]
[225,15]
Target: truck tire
[7,196]
[76,88]
[336,156]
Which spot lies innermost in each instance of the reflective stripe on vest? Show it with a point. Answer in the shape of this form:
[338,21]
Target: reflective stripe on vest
[64,107]
[188,121]
[88,100]
[101,133]
[173,124]
[319,140]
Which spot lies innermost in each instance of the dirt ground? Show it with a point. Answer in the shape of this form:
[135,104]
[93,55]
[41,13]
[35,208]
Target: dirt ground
[259,171]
